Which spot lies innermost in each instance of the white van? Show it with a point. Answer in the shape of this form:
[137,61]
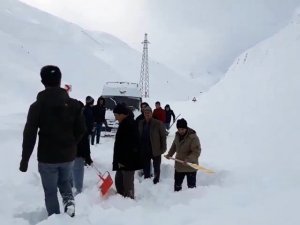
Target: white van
[122,92]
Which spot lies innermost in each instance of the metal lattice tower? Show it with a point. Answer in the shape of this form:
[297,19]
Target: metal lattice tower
[144,76]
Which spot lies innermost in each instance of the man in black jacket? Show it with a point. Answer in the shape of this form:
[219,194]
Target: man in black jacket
[99,111]
[60,123]
[126,158]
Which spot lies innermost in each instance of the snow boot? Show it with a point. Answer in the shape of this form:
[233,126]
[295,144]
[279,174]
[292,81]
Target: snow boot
[70,208]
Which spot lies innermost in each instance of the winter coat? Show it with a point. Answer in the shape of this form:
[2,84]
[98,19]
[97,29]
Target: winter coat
[140,117]
[159,114]
[127,154]
[89,118]
[83,147]
[99,113]
[157,136]
[187,148]
[60,122]
[169,115]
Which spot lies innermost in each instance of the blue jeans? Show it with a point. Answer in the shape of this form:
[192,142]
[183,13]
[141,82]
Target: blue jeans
[78,174]
[55,176]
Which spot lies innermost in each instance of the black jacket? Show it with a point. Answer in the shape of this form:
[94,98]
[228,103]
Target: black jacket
[60,123]
[89,118]
[127,148]
[169,115]
[99,113]
[83,147]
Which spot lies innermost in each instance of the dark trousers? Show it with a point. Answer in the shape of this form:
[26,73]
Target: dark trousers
[96,133]
[156,168]
[124,182]
[179,177]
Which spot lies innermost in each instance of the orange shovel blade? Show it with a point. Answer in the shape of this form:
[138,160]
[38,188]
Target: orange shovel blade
[106,184]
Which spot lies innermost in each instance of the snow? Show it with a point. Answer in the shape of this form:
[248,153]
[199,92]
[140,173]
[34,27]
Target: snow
[248,126]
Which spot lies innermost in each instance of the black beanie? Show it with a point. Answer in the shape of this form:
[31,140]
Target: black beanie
[50,75]
[89,100]
[181,123]
[121,109]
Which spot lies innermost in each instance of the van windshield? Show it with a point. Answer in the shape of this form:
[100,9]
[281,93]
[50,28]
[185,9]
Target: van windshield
[132,102]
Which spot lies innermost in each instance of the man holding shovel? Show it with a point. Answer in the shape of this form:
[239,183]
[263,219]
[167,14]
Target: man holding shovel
[187,146]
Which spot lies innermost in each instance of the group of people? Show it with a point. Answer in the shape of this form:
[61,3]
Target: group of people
[95,116]
[142,141]
[66,127]
[163,115]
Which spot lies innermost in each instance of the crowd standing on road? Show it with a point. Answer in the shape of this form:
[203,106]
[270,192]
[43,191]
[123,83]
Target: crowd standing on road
[66,129]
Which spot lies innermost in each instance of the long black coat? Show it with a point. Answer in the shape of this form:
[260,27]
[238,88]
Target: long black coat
[127,148]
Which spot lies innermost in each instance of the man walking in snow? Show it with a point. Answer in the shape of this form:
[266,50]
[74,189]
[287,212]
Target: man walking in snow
[59,121]
[187,147]
[169,114]
[126,157]
[153,143]
[141,116]
[159,113]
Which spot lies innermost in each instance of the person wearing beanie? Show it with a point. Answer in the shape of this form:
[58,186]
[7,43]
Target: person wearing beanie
[126,155]
[59,122]
[169,115]
[186,145]
[153,143]
[99,111]
[89,117]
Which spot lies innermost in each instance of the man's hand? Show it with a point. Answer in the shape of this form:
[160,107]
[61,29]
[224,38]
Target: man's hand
[23,166]
[88,161]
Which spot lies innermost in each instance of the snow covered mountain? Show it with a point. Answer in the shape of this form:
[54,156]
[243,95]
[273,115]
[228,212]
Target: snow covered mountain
[248,126]
[30,39]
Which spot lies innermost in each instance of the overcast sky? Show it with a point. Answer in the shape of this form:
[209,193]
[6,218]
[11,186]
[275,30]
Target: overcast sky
[183,33]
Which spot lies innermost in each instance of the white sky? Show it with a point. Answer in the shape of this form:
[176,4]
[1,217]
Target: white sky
[248,125]
[189,36]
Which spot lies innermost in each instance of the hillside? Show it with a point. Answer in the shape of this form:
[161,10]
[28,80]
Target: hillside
[30,39]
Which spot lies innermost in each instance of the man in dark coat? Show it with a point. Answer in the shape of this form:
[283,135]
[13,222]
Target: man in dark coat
[126,156]
[99,111]
[60,123]
[89,116]
[169,115]
[141,116]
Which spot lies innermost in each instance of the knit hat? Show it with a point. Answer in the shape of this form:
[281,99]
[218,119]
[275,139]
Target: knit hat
[121,109]
[147,109]
[181,123]
[51,75]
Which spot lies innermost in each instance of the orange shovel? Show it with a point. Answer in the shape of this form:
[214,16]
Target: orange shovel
[107,181]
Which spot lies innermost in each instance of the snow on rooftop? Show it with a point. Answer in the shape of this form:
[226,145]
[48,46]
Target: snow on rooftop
[121,89]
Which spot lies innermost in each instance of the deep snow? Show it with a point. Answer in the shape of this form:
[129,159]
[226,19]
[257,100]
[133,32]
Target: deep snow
[248,126]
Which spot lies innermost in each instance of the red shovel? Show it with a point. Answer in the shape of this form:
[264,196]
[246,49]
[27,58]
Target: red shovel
[106,180]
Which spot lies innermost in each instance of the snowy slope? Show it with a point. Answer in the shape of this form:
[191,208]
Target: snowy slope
[31,38]
[248,126]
